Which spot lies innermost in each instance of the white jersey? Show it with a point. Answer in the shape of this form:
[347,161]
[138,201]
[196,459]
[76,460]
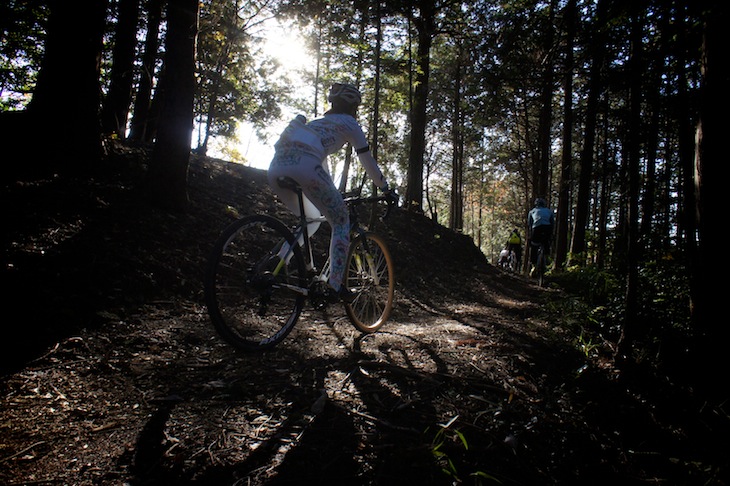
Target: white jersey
[300,153]
[325,136]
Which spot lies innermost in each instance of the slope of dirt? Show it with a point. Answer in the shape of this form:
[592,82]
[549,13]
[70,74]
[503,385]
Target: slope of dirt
[112,373]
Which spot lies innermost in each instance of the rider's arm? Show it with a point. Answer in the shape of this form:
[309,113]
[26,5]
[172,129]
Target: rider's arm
[371,167]
[360,144]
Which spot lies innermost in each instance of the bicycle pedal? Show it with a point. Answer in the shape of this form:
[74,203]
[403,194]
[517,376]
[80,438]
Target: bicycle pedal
[346,295]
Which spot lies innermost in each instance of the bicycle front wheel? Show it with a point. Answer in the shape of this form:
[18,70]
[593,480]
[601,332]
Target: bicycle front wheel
[371,277]
[254,297]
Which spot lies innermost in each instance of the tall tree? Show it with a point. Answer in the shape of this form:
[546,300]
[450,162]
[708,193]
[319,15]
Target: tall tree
[119,97]
[566,164]
[712,130]
[232,83]
[631,322]
[456,213]
[596,48]
[166,183]
[541,168]
[425,23]
[22,29]
[140,128]
[70,71]
[225,33]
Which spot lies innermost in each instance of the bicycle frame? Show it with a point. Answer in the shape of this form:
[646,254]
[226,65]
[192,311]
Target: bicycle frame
[301,236]
[255,292]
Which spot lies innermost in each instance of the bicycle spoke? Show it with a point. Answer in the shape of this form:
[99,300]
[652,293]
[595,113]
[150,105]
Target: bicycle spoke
[370,276]
[254,297]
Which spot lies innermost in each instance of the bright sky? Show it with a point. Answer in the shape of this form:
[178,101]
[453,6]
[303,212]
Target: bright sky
[284,43]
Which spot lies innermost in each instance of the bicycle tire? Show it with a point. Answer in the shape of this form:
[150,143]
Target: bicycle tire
[251,306]
[371,276]
[541,266]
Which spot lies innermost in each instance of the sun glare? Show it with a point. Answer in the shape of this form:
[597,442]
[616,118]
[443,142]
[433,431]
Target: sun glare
[286,45]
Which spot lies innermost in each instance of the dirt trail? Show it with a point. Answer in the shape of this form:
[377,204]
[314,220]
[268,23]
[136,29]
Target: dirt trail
[114,375]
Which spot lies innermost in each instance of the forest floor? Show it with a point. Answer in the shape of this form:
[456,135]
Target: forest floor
[112,373]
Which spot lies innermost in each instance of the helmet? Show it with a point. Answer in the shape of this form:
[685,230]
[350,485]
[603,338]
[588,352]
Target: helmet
[345,92]
[540,202]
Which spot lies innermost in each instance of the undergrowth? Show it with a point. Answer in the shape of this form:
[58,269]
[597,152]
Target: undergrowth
[595,311]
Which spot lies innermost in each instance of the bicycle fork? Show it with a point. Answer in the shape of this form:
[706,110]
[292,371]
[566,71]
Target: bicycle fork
[368,267]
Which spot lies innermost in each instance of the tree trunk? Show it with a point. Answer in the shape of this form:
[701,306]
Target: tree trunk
[597,48]
[711,150]
[69,74]
[456,212]
[566,165]
[375,132]
[631,326]
[213,91]
[541,186]
[167,177]
[118,99]
[139,128]
[656,73]
[414,178]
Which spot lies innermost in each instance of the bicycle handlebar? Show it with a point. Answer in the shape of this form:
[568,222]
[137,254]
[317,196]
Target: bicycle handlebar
[355,200]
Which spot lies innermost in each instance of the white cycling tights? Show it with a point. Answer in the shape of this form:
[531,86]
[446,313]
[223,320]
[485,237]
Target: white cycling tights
[321,198]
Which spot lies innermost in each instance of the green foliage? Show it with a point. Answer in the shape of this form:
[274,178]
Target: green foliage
[586,345]
[446,444]
[596,310]
[234,81]
[594,285]
[22,33]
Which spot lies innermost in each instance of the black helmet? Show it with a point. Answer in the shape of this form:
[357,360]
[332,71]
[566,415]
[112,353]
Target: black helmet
[345,92]
[540,202]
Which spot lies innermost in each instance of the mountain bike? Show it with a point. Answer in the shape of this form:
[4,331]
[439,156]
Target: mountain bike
[260,273]
[510,264]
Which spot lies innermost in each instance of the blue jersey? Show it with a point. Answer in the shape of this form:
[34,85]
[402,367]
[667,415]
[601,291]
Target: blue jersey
[540,217]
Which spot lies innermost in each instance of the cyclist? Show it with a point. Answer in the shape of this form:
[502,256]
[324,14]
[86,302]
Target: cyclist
[300,154]
[540,221]
[514,243]
[504,257]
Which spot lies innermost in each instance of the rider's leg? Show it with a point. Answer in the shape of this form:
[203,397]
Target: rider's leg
[321,193]
[293,163]
[289,197]
[321,190]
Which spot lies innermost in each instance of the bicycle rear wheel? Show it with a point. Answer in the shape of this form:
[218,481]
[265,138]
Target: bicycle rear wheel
[253,297]
[371,276]
[540,266]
